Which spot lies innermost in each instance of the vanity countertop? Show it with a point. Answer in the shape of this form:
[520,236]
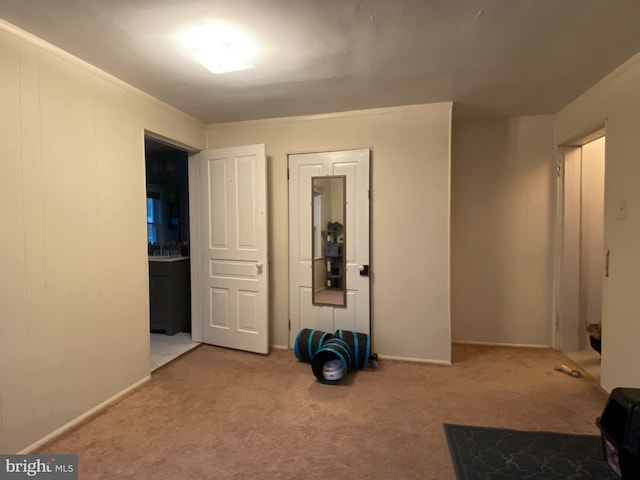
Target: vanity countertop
[167,258]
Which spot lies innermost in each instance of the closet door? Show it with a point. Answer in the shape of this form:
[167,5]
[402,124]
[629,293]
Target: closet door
[355,314]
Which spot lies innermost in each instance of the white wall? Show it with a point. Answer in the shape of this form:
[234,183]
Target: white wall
[410,215]
[503,186]
[616,101]
[592,250]
[74,329]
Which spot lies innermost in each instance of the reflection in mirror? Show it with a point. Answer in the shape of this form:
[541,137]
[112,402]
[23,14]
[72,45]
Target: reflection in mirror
[328,238]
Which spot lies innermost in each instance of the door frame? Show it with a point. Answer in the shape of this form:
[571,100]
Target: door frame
[195,251]
[196,327]
[558,318]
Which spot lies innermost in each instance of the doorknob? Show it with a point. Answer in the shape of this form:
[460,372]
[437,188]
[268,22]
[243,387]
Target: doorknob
[364,270]
[259,267]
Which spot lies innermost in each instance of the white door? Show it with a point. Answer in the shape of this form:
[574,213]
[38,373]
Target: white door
[229,241]
[355,316]
[569,293]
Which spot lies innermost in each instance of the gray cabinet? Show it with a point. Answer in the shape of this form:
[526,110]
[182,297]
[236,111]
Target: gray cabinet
[169,295]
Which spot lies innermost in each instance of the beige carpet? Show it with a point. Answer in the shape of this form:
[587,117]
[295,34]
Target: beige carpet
[222,414]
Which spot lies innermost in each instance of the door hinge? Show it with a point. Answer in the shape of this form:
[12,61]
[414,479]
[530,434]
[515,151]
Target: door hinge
[606,265]
[559,168]
[289,324]
[288,177]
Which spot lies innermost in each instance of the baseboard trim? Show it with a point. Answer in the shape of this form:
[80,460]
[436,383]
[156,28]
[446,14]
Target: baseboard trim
[411,359]
[82,417]
[495,344]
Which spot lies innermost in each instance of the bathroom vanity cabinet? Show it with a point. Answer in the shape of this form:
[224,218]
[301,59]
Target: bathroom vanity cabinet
[169,294]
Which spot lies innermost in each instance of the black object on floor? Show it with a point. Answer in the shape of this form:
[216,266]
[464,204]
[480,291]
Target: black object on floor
[308,342]
[481,453]
[333,349]
[360,344]
[620,427]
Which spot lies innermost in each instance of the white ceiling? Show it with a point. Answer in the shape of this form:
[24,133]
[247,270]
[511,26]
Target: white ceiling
[491,57]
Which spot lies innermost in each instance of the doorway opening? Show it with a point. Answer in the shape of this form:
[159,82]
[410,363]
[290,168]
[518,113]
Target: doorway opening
[168,240]
[582,267]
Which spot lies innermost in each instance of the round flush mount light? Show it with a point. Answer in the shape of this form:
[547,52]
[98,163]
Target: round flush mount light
[219,47]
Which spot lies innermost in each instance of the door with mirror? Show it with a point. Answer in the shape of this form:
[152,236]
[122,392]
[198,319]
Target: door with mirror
[329,241]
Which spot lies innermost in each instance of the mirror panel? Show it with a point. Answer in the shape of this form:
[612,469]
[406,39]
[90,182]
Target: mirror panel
[328,240]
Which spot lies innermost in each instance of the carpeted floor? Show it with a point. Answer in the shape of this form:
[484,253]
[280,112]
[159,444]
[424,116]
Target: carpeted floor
[495,453]
[223,414]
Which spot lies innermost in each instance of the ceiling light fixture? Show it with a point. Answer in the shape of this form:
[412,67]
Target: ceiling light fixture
[219,47]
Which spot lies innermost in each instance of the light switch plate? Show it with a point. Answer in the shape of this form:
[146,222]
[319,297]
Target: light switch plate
[622,210]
